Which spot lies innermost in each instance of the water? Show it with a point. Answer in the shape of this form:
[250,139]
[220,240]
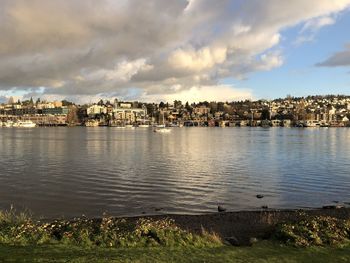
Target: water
[73,171]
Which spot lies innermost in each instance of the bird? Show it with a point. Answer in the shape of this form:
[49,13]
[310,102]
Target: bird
[221,208]
[259,196]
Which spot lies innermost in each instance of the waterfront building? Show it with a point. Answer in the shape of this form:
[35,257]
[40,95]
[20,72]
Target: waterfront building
[127,113]
[202,110]
[95,109]
[55,111]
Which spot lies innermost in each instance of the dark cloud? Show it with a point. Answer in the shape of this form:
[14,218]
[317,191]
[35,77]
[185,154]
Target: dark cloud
[339,59]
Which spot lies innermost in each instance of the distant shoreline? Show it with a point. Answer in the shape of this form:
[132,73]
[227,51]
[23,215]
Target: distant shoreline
[135,127]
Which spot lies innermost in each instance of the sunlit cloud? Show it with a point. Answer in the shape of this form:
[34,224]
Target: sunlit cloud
[115,48]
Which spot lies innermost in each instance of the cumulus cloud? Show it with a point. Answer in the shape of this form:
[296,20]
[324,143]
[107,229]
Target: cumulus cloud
[151,48]
[204,58]
[339,59]
[202,93]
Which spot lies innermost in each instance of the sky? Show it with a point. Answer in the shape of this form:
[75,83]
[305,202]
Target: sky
[189,50]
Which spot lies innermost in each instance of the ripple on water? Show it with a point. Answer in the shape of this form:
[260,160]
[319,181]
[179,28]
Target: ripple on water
[68,172]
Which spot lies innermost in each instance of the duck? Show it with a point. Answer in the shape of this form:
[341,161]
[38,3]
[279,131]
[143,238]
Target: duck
[221,208]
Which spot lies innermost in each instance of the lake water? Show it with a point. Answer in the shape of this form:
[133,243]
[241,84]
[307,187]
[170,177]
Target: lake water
[73,171]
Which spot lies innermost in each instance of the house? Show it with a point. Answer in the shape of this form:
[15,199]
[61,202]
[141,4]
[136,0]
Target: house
[95,109]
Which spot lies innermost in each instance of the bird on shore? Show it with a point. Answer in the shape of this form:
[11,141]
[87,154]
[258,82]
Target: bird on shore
[221,208]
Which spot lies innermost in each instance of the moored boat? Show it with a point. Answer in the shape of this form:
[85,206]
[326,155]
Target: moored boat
[8,124]
[25,124]
[161,128]
[143,126]
[129,126]
[91,123]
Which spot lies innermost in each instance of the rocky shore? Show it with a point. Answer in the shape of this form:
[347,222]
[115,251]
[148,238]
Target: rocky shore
[243,227]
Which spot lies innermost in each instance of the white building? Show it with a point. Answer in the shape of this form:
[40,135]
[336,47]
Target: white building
[96,110]
[124,111]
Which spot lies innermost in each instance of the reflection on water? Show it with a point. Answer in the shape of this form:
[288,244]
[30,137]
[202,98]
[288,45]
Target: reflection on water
[74,171]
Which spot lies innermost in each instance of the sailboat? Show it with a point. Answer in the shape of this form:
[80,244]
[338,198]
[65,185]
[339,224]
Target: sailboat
[161,128]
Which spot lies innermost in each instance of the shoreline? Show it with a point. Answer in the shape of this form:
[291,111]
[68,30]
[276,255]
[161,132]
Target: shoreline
[243,228]
[242,225]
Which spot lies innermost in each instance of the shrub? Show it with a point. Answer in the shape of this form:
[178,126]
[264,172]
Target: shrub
[317,230]
[110,232]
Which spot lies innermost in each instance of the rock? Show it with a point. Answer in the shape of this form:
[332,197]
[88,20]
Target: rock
[264,207]
[232,241]
[253,240]
[221,208]
[259,196]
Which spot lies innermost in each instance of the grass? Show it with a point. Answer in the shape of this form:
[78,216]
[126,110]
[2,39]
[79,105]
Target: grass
[22,239]
[19,230]
[265,251]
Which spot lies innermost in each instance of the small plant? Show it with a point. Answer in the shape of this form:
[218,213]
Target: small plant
[318,230]
[20,229]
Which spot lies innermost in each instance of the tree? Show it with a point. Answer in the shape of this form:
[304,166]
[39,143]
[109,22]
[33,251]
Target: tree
[177,104]
[72,116]
[100,103]
[188,108]
[150,108]
[221,106]
[265,114]
[66,103]
[213,107]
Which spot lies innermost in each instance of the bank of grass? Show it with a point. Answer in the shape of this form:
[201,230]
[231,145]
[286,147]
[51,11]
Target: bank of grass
[22,239]
[22,230]
[264,252]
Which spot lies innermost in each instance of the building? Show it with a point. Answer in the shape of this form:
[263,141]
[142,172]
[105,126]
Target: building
[95,109]
[55,111]
[202,110]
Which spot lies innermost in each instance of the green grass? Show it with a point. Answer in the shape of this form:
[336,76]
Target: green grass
[18,230]
[262,252]
[23,239]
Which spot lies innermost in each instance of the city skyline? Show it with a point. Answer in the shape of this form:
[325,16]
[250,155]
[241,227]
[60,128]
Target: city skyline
[179,50]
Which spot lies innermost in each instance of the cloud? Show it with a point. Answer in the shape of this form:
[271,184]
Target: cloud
[311,28]
[317,23]
[204,58]
[122,72]
[84,48]
[203,93]
[339,59]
